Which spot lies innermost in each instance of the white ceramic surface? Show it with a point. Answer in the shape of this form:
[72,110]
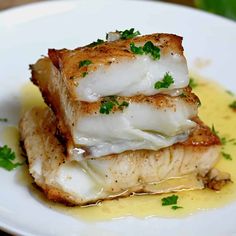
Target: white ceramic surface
[27,32]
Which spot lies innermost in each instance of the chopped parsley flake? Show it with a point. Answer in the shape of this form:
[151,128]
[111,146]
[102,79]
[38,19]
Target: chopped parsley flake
[165,83]
[148,48]
[176,207]
[123,104]
[128,34]
[213,130]
[135,49]
[84,63]
[3,119]
[223,140]
[226,156]
[233,105]
[93,44]
[171,200]
[192,83]
[229,92]
[6,158]
[84,74]
[109,103]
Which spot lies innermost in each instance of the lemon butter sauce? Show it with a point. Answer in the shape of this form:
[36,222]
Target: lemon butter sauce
[214,111]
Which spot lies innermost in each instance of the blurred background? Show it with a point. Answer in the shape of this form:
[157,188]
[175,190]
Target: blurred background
[226,8]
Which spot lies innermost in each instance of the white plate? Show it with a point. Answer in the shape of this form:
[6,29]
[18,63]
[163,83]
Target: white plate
[27,32]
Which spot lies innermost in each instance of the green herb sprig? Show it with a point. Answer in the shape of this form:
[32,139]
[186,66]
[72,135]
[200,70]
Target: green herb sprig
[7,156]
[229,92]
[109,102]
[165,83]
[213,130]
[129,34]
[223,139]
[226,156]
[95,43]
[192,83]
[176,207]
[233,105]
[3,120]
[171,201]
[149,49]
[84,63]
[84,74]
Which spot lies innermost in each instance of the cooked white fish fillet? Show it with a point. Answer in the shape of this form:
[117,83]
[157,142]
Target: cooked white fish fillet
[113,69]
[179,167]
[151,122]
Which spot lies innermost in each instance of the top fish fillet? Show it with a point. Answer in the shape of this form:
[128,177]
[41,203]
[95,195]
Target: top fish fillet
[112,68]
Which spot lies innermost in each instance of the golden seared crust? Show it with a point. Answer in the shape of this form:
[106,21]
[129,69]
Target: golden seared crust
[67,61]
[68,109]
[159,101]
[39,137]
[202,136]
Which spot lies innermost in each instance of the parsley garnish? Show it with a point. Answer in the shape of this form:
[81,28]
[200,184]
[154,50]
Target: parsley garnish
[84,63]
[3,119]
[213,130]
[171,200]
[165,83]
[6,158]
[84,74]
[135,49]
[226,156]
[148,48]
[192,83]
[176,207]
[93,44]
[128,34]
[223,140]
[123,104]
[229,92]
[233,105]
[109,102]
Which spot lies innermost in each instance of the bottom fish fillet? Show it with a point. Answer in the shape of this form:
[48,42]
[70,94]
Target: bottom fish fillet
[183,166]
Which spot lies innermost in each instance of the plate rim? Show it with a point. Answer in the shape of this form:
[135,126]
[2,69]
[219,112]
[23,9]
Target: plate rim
[8,227]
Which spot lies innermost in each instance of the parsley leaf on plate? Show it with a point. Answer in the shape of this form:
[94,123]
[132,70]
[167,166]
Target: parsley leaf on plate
[192,83]
[233,105]
[226,156]
[7,156]
[171,200]
[175,207]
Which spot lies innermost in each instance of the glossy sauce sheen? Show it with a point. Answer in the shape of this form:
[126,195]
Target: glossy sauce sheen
[214,110]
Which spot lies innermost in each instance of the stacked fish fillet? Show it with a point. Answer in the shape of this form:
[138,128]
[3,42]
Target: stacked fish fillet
[121,120]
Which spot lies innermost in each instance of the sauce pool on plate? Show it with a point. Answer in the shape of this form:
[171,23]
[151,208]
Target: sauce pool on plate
[214,111]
